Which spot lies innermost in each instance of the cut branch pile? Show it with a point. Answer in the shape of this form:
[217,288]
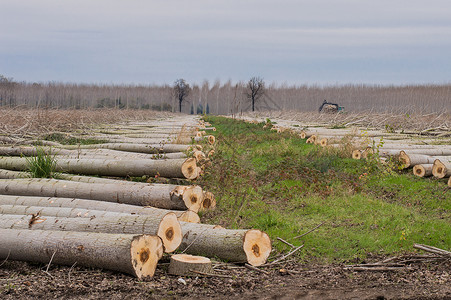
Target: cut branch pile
[118,224]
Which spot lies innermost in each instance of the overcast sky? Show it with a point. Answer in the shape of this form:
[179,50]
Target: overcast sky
[292,41]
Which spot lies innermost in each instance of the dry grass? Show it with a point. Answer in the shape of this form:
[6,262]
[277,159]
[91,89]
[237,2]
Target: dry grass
[417,123]
[29,123]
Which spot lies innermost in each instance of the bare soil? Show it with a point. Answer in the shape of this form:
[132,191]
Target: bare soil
[20,280]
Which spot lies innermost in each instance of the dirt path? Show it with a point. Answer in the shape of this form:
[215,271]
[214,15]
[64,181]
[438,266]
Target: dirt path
[20,280]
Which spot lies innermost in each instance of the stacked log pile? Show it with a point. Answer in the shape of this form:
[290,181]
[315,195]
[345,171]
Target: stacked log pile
[425,159]
[108,222]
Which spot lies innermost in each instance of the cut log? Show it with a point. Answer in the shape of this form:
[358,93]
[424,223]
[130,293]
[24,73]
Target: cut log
[164,196]
[185,264]
[65,212]
[311,139]
[423,170]
[140,148]
[356,154]
[8,174]
[441,169]
[170,168]
[252,246]
[185,216]
[137,255]
[31,151]
[409,160]
[199,155]
[209,202]
[167,228]
[449,182]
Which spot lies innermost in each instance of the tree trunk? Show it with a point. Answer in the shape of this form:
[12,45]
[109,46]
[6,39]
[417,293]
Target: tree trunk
[441,168]
[171,168]
[167,228]
[423,170]
[31,151]
[137,255]
[164,196]
[252,246]
[65,212]
[8,174]
[422,151]
[409,160]
[140,148]
[126,209]
[185,264]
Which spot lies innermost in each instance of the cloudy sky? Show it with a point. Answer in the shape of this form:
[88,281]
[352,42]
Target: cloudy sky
[292,41]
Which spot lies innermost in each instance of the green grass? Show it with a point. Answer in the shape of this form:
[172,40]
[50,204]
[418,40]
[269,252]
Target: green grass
[42,165]
[279,184]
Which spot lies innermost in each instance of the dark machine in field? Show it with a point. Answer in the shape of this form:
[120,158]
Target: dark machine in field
[328,107]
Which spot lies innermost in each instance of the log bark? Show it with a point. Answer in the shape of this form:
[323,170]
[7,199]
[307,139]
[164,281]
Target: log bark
[126,209]
[65,212]
[164,196]
[8,174]
[252,246]
[411,150]
[185,264]
[409,160]
[441,169]
[139,148]
[137,255]
[424,170]
[170,168]
[31,151]
[167,228]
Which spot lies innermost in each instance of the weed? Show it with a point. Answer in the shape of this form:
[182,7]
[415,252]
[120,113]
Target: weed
[42,165]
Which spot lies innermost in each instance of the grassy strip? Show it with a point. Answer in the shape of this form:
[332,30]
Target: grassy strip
[69,140]
[278,183]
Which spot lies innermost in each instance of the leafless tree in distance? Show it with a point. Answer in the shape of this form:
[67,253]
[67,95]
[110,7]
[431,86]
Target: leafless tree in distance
[181,91]
[255,89]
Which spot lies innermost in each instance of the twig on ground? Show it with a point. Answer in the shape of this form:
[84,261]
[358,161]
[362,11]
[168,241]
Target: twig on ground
[248,266]
[296,237]
[283,257]
[377,268]
[210,275]
[6,259]
[48,266]
[285,242]
[71,268]
[432,249]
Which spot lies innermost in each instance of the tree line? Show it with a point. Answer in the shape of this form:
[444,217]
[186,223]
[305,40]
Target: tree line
[226,97]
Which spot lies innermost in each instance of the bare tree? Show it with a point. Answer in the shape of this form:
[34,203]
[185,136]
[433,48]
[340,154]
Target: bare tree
[181,91]
[7,86]
[255,89]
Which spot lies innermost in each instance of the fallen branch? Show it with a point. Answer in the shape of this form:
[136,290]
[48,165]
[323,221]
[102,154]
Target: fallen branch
[296,237]
[432,250]
[248,266]
[210,274]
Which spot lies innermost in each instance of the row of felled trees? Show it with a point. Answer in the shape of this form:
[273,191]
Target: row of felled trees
[226,98]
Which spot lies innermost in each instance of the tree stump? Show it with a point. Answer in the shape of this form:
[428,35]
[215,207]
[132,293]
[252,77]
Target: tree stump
[186,265]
